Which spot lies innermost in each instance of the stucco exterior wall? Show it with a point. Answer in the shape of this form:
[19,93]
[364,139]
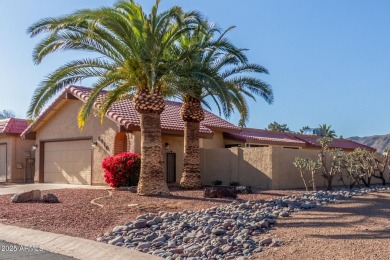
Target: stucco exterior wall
[63,125]
[248,166]
[216,142]
[285,175]
[16,158]
[261,167]
[176,145]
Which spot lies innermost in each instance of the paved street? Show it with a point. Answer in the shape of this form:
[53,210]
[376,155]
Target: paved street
[9,251]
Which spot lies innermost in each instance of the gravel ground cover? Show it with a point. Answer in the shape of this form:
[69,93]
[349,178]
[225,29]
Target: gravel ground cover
[355,228]
[236,230]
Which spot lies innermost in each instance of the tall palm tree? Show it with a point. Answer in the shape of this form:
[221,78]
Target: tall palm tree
[135,59]
[327,130]
[212,67]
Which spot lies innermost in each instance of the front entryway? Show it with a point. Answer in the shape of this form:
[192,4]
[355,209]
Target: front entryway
[171,167]
[68,162]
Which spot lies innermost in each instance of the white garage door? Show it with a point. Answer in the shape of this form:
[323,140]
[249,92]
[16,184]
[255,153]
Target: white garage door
[68,162]
[3,162]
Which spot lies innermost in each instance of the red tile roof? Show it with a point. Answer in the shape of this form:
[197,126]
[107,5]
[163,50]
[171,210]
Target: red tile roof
[344,144]
[250,135]
[124,113]
[13,126]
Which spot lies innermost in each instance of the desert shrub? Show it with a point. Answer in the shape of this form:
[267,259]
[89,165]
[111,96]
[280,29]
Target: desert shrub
[216,182]
[122,169]
[234,183]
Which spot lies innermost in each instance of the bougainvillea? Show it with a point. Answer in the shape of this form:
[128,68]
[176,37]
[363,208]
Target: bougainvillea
[122,169]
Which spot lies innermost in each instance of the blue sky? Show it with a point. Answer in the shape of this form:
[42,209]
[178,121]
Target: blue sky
[329,61]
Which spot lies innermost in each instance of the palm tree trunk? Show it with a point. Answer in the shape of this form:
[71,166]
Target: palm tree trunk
[192,114]
[151,180]
[191,175]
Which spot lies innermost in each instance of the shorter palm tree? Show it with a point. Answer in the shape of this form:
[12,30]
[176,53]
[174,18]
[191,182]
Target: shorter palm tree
[327,131]
[212,68]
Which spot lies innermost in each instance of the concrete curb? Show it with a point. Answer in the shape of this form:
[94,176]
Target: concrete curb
[78,248]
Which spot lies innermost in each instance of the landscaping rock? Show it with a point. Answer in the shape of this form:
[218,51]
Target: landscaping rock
[50,198]
[219,192]
[140,224]
[26,196]
[229,231]
[265,241]
[243,190]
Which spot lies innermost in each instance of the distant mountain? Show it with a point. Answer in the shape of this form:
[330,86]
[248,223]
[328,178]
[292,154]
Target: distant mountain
[380,142]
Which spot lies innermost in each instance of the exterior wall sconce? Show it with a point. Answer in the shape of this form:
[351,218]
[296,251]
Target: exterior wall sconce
[167,147]
[34,147]
[94,145]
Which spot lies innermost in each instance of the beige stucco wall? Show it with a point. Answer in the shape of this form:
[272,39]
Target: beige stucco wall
[63,125]
[210,143]
[248,166]
[261,167]
[134,142]
[176,145]
[16,148]
[285,175]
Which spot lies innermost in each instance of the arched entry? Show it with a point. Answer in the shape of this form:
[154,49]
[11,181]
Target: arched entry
[120,144]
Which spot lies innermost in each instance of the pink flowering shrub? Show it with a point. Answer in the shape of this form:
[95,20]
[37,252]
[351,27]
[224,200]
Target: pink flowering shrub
[122,169]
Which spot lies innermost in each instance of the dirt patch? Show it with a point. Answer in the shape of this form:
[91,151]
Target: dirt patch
[353,229]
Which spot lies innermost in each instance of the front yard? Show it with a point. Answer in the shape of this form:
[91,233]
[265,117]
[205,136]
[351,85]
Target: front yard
[76,216]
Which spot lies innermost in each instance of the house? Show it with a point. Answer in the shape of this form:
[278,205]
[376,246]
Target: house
[16,162]
[66,154]
[250,137]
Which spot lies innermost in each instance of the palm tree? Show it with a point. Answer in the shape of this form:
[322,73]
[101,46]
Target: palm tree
[275,126]
[327,130]
[303,129]
[212,68]
[135,60]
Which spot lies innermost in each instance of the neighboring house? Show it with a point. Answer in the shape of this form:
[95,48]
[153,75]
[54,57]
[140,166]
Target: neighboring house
[16,161]
[66,154]
[250,137]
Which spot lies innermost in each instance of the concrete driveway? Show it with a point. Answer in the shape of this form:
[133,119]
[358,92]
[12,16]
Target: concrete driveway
[8,188]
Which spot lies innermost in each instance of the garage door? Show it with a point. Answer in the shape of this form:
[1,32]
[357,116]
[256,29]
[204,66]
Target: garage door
[3,162]
[68,162]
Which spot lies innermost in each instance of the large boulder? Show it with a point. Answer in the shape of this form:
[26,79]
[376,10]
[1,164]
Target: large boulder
[219,192]
[25,196]
[50,198]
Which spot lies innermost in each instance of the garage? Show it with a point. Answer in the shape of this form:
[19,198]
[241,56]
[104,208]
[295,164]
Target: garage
[68,162]
[3,162]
